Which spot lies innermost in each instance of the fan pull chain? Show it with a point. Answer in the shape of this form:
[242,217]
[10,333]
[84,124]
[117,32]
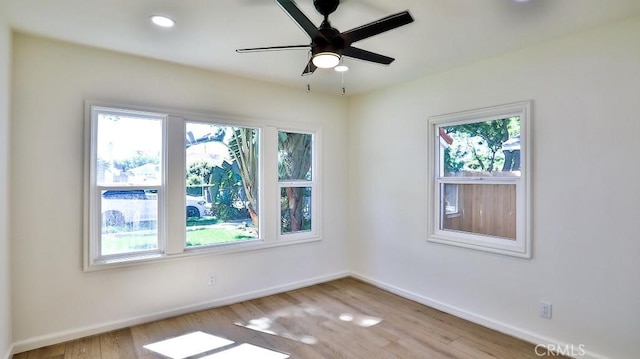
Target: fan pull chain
[344,91]
[308,70]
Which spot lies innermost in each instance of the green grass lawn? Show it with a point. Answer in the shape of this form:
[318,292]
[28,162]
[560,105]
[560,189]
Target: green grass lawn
[123,242]
[208,236]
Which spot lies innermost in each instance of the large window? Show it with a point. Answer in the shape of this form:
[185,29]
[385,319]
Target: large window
[164,185]
[479,183]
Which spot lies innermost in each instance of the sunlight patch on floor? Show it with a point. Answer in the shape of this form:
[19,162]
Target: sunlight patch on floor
[188,345]
[286,323]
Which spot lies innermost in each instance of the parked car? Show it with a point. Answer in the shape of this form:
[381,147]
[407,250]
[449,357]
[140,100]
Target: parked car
[196,207]
[130,206]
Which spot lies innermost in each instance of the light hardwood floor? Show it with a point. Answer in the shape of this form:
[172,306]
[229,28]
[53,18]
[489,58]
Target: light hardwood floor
[345,318]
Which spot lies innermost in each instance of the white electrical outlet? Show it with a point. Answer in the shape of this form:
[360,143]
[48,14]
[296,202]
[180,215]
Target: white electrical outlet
[212,279]
[545,310]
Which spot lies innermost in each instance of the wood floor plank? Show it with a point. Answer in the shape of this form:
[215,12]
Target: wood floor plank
[117,345]
[85,348]
[146,334]
[342,319]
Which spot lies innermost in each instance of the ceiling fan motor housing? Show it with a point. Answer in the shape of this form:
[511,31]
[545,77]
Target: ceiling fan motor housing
[326,7]
[330,41]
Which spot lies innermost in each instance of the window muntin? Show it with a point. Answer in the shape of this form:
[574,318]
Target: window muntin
[222,173]
[479,184]
[296,182]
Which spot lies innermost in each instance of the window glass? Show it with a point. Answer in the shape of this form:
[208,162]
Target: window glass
[129,221]
[487,209]
[128,149]
[222,184]
[450,198]
[485,148]
[294,156]
[295,209]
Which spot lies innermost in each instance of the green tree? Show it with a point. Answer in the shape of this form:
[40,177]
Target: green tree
[198,176]
[493,134]
[243,148]
[451,162]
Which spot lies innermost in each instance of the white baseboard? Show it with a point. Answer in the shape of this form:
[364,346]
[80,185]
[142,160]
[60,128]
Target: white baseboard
[475,318]
[63,336]
[9,353]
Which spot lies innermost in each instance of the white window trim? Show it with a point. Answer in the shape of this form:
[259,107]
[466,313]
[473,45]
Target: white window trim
[171,227]
[314,184]
[521,246]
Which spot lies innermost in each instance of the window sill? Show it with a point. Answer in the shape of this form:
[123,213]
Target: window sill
[496,245]
[142,259]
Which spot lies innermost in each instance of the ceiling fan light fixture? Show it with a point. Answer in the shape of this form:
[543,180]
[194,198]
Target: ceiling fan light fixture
[326,60]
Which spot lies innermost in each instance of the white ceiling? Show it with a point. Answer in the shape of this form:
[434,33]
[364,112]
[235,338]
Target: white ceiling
[445,34]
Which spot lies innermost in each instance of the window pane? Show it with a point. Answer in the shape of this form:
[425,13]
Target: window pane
[295,209]
[128,150]
[488,209]
[129,221]
[294,156]
[222,184]
[487,148]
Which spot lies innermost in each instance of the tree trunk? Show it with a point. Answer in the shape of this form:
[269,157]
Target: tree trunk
[295,196]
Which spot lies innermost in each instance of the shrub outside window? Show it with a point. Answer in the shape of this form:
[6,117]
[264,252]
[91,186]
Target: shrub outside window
[479,182]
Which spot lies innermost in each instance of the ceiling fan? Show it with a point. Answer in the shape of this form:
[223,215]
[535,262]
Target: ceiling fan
[328,45]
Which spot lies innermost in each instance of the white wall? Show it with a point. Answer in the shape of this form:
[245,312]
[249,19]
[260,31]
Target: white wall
[5,268]
[586,199]
[53,298]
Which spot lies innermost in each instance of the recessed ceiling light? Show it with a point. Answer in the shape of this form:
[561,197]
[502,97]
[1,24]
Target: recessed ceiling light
[341,68]
[162,21]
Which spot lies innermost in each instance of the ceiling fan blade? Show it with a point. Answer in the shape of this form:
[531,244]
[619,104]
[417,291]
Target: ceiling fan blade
[274,48]
[300,18]
[309,68]
[376,27]
[365,55]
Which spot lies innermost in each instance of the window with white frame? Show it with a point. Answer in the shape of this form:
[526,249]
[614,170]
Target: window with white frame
[165,185]
[222,167]
[296,183]
[479,179]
